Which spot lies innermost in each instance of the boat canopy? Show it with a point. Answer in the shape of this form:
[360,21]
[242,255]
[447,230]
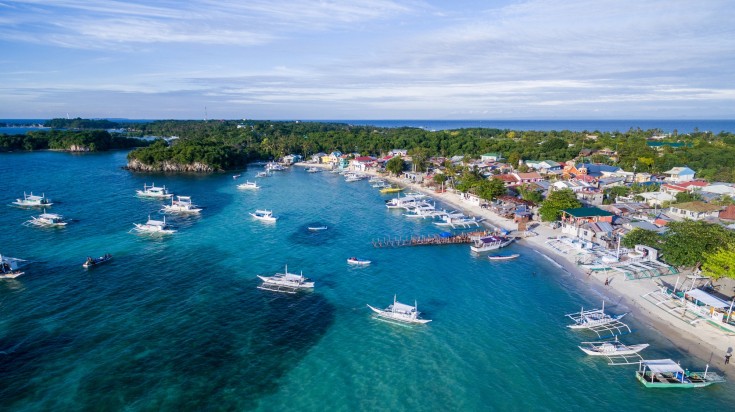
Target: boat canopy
[402,307]
[707,299]
[490,239]
[663,366]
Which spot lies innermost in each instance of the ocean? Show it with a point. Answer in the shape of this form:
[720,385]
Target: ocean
[177,323]
[666,126]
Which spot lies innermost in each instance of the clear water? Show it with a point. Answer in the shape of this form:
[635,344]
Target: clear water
[178,323]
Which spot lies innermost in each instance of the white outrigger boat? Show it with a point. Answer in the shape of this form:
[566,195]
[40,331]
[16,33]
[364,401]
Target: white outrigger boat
[313,169]
[615,351]
[503,257]
[33,201]
[248,185]
[264,215]
[488,243]
[154,191]
[46,220]
[359,262]
[285,282]
[153,227]
[317,228]
[598,321]
[457,220]
[404,202]
[275,167]
[262,174]
[400,312]
[182,205]
[10,267]
[665,373]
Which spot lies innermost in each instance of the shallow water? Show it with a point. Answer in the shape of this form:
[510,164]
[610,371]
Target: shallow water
[178,324]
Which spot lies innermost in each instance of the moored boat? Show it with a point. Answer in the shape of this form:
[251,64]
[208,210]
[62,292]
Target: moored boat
[615,351]
[400,312]
[91,262]
[46,220]
[392,189]
[359,262]
[154,227]
[158,192]
[181,205]
[317,228]
[665,373]
[313,169]
[10,267]
[285,282]
[248,185]
[492,242]
[264,215]
[503,257]
[33,201]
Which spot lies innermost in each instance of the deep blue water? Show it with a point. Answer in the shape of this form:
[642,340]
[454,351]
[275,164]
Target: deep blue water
[178,323]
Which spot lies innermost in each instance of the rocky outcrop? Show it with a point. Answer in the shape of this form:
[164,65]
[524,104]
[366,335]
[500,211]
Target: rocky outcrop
[137,166]
[79,148]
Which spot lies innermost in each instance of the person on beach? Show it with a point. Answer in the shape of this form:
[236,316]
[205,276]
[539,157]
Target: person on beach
[607,281]
[727,358]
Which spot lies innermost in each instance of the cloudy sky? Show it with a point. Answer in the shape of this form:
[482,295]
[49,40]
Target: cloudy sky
[368,59]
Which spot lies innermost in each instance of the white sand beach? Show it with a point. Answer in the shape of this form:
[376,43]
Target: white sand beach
[702,340]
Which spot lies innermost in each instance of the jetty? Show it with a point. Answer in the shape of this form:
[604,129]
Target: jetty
[427,240]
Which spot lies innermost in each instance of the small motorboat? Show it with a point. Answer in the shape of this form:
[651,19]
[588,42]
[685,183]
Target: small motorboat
[264,215]
[503,257]
[91,262]
[356,261]
[317,228]
[236,176]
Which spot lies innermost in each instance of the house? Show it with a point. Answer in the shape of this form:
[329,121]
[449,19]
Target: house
[575,221]
[720,189]
[607,182]
[333,157]
[680,174]
[590,197]
[695,210]
[398,152]
[530,177]
[544,166]
[573,185]
[362,163]
[291,159]
[317,158]
[491,157]
[728,213]
[596,170]
[656,198]
[509,179]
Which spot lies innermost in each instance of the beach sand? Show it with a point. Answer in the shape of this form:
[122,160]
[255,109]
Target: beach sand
[702,341]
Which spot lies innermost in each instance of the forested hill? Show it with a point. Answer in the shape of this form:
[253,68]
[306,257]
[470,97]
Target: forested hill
[228,144]
[71,140]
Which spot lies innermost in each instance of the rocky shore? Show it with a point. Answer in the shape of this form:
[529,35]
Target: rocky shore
[137,166]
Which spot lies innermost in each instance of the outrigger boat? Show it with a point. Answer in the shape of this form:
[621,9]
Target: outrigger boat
[153,227]
[503,257]
[598,321]
[182,205]
[273,166]
[487,243]
[33,201]
[262,174]
[356,261]
[285,282]
[91,262]
[10,267]
[154,191]
[665,373]
[400,312]
[264,215]
[313,169]
[46,220]
[392,189]
[317,228]
[616,352]
[248,185]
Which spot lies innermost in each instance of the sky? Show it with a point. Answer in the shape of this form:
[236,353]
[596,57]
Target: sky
[368,59]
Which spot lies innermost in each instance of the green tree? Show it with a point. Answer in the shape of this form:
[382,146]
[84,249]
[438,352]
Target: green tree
[720,263]
[686,242]
[557,201]
[642,237]
[683,197]
[395,165]
[532,195]
[491,189]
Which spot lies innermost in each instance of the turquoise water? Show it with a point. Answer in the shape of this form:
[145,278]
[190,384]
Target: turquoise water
[178,323]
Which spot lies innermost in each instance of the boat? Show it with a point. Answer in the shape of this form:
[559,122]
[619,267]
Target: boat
[264,215]
[236,176]
[248,185]
[503,257]
[491,242]
[275,167]
[33,201]
[356,261]
[380,184]
[392,189]
[404,202]
[596,320]
[154,227]
[10,267]
[354,177]
[665,373]
[457,220]
[400,312]
[285,282]
[615,351]
[317,228]
[182,205]
[154,191]
[46,220]
[91,262]
[313,169]
[262,174]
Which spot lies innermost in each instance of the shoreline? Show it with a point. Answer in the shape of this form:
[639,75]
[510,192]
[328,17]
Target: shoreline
[702,342]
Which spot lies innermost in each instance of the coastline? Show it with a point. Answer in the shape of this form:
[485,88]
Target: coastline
[701,341]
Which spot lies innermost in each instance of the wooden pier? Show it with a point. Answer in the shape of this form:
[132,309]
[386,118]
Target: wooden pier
[427,240]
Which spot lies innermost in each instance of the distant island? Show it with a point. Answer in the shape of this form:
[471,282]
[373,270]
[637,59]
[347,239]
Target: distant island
[68,140]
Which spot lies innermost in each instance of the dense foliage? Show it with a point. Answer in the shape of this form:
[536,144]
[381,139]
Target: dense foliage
[93,140]
[720,263]
[81,124]
[395,165]
[208,152]
[557,201]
